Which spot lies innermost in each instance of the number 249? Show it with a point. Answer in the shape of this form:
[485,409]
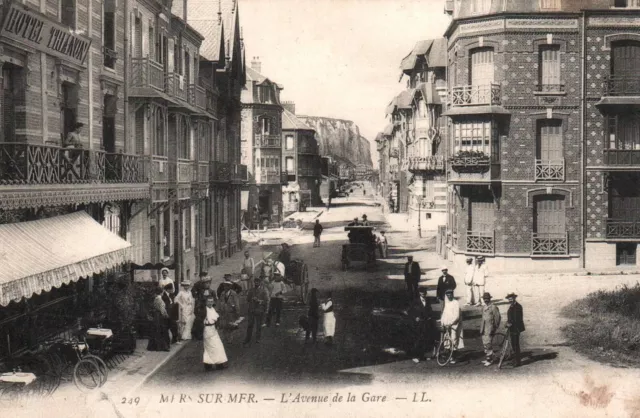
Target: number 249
[130,401]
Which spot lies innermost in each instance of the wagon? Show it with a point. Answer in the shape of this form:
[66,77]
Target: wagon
[361,247]
[297,277]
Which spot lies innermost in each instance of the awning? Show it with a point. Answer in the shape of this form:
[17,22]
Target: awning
[619,101]
[39,255]
[476,110]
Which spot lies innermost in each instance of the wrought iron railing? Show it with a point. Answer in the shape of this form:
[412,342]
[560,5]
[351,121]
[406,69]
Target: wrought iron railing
[481,242]
[269,176]
[487,94]
[126,168]
[23,163]
[620,228]
[622,85]
[267,141]
[621,157]
[470,162]
[147,73]
[550,244]
[550,169]
[431,163]
[185,171]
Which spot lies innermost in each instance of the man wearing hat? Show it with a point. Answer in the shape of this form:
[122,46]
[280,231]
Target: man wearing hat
[515,324]
[468,282]
[365,222]
[488,327]
[445,282]
[451,319]
[480,277]
[258,302]
[412,275]
[186,306]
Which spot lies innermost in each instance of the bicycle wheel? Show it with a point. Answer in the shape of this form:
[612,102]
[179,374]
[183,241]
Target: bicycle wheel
[445,350]
[86,375]
[497,342]
[102,366]
[505,354]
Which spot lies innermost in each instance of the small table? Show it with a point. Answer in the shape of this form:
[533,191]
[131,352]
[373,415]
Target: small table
[100,332]
[19,377]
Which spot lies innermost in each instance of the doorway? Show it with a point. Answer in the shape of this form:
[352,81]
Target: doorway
[626,253]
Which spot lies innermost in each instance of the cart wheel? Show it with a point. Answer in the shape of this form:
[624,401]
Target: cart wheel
[102,366]
[86,375]
[304,284]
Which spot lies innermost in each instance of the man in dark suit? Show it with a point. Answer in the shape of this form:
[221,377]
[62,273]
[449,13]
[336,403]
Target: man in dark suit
[412,275]
[515,324]
[445,282]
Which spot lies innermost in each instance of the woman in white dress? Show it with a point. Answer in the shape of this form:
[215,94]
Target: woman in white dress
[329,321]
[214,354]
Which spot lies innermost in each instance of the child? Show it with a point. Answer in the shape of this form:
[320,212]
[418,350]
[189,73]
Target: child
[329,320]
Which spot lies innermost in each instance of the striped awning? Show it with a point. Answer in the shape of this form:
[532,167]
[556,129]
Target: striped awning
[38,255]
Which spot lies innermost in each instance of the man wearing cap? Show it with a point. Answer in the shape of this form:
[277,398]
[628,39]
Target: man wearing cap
[412,275]
[186,306]
[445,282]
[451,319]
[365,222]
[488,327]
[480,277]
[515,325]
[468,282]
[258,302]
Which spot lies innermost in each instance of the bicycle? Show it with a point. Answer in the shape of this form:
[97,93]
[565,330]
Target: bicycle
[507,350]
[444,353]
[89,371]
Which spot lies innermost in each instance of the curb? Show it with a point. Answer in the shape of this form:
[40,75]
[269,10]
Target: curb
[157,367]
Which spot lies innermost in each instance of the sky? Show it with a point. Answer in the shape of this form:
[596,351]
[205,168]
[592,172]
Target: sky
[339,58]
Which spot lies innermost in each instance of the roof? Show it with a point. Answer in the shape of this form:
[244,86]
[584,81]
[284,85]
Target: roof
[429,93]
[433,50]
[405,98]
[253,75]
[388,130]
[46,253]
[291,122]
[217,21]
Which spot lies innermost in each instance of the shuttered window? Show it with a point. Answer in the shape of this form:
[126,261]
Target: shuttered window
[550,68]
[482,67]
[68,13]
[137,46]
[549,214]
[624,198]
[626,58]
[481,211]
[550,140]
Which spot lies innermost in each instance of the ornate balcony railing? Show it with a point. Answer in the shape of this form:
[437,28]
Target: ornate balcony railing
[481,242]
[175,86]
[618,157]
[622,85]
[159,169]
[147,73]
[185,171]
[307,171]
[487,94]
[220,172]
[620,228]
[269,176]
[22,163]
[211,104]
[550,170]
[431,163]
[126,168]
[197,96]
[267,141]
[470,162]
[203,172]
[550,244]
[239,173]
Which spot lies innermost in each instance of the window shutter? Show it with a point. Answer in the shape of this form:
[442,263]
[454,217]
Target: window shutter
[170,57]
[145,39]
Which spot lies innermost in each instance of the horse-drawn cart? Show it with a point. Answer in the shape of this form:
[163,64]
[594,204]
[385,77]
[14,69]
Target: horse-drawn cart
[361,247]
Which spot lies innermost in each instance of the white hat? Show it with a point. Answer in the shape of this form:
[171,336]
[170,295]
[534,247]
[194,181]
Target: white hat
[444,268]
[186,283]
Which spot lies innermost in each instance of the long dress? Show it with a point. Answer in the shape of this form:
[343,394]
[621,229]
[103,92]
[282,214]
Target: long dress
[159,338]
[329,321]
[185,321]
[213,349]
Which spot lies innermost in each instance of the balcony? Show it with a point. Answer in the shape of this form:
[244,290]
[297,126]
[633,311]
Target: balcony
[202,175]
[556,244]
[175,86]
[159,169]
[622,228]
[489,94]
[270,176]
[622,158]
[219,172]
[470,162]
[434,163]
[549,170]
[480,242]
[146,73]
[197,96]
[126,168]
[239,173]
[621,85]
[267,141]
[185,171]
[310,172]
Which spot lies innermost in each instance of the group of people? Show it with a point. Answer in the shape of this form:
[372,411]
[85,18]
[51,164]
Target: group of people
[452,319]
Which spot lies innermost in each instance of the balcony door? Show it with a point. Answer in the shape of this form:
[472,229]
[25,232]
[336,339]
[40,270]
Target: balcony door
[482,67]
[624,198]
[625,59]
[549,215]
[550,140]
[481,211]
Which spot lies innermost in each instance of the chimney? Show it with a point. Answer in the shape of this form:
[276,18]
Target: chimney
[256,65]
[184,10]
[290,106]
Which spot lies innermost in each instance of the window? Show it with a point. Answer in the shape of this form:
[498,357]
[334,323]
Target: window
[109,34]
[68,13]
[481,211]
[475,136]
[626,3]
[290,165]
[480,6]
[109,110]
[482,67]
[184,150]
[265,124]
[624,132]
[550,140]
[69,108]
[550,68]
[289,142]
[549,215]
[550,4]
[13,91]
[159,148]
[265,94]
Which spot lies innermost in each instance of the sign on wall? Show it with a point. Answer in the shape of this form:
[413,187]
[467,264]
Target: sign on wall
[37,31]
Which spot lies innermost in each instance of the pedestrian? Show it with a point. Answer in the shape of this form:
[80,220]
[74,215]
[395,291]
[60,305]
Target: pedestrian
[445,282]
[313,316]
[468,281]
[258,305]
[412,275]
[229,303]
[452,319]
[285,254]
[382,244]
[317,231]
[328,203]
[159,339]
[267,270]
[248,265]
[277,290]
[72,140]
[365,221]
[214,353]
[355,222]
[425,326]
[172,311]
[488,327]
[186,307]
[515,325]
[480,277]
[329,320]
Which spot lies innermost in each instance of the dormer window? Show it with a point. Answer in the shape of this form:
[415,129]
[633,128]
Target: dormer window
[265,94]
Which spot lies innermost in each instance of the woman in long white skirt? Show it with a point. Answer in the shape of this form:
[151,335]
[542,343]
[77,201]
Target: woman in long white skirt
[214,354]
[329,320]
